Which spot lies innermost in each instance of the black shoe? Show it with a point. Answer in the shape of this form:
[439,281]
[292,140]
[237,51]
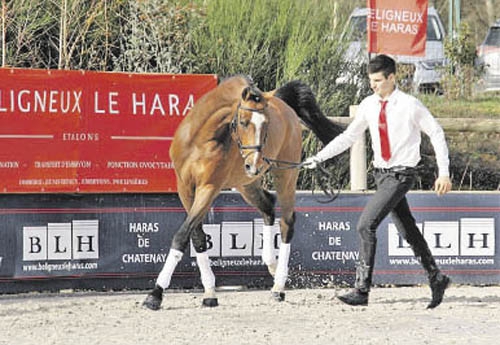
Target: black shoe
[355,297]
[438,284]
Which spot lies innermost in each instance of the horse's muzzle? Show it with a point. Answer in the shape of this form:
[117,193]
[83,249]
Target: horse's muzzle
[252,170]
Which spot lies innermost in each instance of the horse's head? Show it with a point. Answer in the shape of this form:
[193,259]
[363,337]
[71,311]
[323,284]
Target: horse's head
[249,128]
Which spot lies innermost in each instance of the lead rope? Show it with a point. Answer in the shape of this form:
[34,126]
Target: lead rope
[275,164]
[323,176]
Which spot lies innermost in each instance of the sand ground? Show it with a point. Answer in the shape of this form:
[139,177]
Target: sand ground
[396,315]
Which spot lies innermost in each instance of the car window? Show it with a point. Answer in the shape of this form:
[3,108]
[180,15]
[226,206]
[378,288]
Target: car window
[493,38]
[433,30]
[357,28]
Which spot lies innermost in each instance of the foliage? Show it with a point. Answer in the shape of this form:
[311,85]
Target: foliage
[30,35]
[484,105]
[155,36]
[461,73]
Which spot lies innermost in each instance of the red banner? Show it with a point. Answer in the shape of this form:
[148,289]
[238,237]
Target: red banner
[397,27]
[81,131]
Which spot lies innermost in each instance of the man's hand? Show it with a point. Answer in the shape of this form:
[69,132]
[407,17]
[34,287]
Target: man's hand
[311,162]
[442,185]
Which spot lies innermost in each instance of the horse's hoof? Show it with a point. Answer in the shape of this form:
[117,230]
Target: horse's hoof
[152,302]
[278,296]
[210,302]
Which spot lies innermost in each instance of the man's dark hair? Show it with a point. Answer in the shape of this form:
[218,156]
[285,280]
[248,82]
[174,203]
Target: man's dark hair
[382,63]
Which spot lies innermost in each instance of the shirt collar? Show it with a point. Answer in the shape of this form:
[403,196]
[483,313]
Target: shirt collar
[392,99]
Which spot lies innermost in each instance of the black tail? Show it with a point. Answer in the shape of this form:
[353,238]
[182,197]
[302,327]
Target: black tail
[300,97]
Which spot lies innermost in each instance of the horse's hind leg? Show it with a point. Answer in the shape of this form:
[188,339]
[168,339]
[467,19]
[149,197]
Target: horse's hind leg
[196,212]
[264,201]
[207,275]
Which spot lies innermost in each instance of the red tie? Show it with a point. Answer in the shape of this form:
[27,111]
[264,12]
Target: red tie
[385,148]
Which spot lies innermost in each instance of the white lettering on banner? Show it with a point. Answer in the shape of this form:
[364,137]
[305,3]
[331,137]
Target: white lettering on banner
[142,105]
[70,102]
[62,164]
[64,266]
[335,255]
[395,21]
[334,241]
[41,101]
[111,102]
[396,15]
[130,181]
[141,230]
[144,258]
[139,165]
[80,136]
[399,28]
[61,241]
[143,227]
[1,260]
[334,226]
[466,237]
[9,165]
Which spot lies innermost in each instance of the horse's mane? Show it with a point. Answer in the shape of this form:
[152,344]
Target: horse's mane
[211,116]
[225,95]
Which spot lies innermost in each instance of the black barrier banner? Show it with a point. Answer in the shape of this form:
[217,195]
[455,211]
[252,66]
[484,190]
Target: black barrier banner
[122,241]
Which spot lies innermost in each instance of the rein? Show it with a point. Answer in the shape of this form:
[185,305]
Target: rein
[275,164]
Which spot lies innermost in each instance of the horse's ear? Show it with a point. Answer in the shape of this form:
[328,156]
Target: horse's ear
[249,93]
[245,93]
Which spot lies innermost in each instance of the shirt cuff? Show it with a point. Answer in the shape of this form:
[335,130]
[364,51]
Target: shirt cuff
[443,172]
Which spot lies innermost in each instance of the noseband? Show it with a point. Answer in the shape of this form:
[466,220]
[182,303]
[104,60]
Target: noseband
[234,129]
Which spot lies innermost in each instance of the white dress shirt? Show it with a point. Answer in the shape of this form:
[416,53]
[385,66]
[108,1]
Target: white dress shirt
[406,118]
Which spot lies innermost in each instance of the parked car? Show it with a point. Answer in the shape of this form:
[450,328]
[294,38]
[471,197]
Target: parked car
[489,57]
[424,71]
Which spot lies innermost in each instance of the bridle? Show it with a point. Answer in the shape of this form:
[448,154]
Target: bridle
[321,172]
[273,163]
[234,129]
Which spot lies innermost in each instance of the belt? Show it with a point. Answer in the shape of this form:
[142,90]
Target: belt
[396,169]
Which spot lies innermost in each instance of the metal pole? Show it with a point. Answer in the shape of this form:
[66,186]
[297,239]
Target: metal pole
[450,18]
[457,14]
[4,35]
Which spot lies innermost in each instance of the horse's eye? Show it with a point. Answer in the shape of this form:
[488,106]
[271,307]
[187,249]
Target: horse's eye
[244,124]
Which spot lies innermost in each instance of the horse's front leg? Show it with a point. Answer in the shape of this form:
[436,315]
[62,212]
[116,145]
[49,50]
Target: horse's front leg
[281,275]
[268,256]
[154,298]
[285,181]
[264,201]
[192,225]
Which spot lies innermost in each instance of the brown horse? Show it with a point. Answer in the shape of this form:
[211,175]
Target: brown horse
[233,135]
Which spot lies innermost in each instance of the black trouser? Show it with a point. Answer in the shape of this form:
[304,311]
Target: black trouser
[390,198]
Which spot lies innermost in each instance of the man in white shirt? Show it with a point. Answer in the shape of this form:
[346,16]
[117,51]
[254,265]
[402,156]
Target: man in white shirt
[395,120]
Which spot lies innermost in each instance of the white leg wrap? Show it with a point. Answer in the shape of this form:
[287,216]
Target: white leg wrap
[173,258]
[207,275]
[267,245]
[282,269]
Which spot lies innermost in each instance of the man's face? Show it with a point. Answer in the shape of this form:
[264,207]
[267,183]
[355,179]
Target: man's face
[381,85]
